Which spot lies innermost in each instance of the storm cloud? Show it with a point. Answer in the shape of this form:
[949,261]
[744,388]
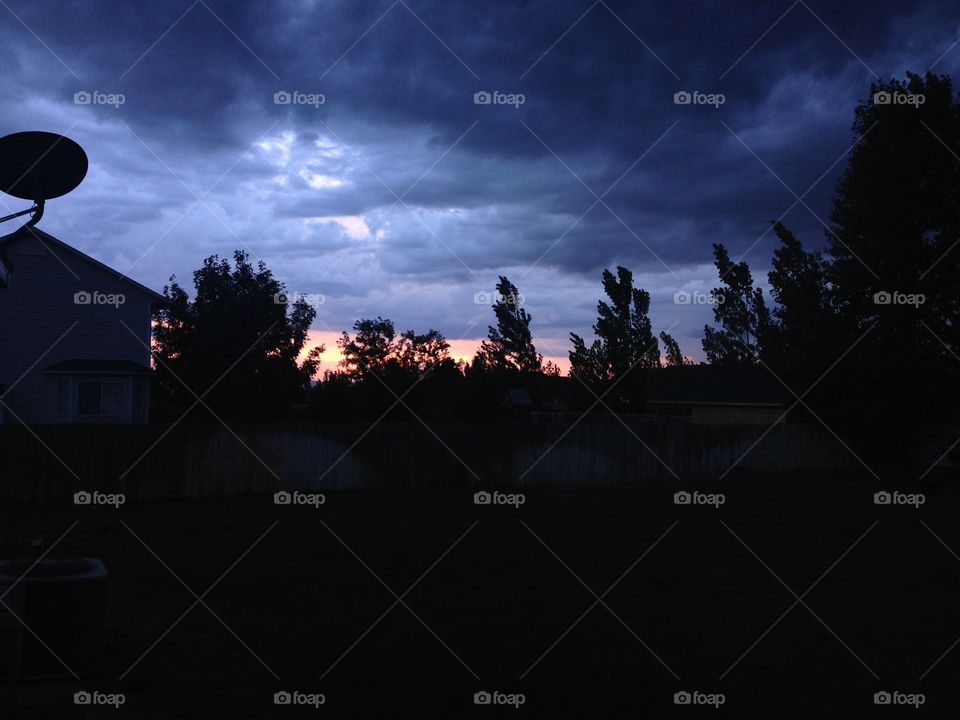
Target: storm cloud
[396,157]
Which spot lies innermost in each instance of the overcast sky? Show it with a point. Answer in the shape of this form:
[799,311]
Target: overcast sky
[386,188]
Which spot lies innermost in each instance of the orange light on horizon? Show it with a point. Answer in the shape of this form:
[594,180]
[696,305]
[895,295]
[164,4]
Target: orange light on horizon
[462,349]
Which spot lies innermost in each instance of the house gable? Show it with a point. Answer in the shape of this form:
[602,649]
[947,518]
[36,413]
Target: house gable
[63,313]
[33,242]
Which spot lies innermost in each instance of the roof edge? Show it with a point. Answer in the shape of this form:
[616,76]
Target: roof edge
[155,297]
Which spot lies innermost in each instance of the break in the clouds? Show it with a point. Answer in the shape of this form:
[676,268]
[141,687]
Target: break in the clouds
[395,157]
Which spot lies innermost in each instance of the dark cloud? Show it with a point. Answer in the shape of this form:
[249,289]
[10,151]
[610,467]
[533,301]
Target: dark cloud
[399,195]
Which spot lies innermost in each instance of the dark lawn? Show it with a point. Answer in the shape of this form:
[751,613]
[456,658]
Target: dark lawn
[499,600]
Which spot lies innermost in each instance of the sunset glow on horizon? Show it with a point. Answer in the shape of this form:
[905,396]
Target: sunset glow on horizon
[462,349]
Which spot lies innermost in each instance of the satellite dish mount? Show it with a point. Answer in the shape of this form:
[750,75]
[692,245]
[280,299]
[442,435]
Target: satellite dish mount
[37,211]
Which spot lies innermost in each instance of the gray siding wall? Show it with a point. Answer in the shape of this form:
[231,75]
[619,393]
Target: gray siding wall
[38,308]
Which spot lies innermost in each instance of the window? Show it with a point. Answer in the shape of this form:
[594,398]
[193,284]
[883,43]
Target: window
[112,399]
[138,410]
[61,397]
[100,398]
[88,398]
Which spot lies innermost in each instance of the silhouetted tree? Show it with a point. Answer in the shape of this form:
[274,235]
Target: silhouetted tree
[371,348]
[895,215]
[624,335]
[509,346]
[376,348]
[422,352]
[675,358]
[379,368]
[803,326]
[551,369]
[238,335]
[739,309]
[895,221]
[625,344]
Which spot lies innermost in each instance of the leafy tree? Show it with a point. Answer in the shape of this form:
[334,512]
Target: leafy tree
[369,350]
[238,335]
[422,352]
[803,324]
[551,369]
[675,358]
[895,220]
[625,341]
[895,215]
[378,367]
[740,310]
[509,346]
[376,348]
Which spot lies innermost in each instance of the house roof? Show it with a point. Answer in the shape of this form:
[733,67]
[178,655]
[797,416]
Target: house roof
[709,385]
[98,367]
[46,238]
[516,397]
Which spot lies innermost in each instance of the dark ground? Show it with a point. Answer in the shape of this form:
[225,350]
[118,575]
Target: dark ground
[499,600]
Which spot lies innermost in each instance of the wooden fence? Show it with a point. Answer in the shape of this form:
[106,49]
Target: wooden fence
[51,463]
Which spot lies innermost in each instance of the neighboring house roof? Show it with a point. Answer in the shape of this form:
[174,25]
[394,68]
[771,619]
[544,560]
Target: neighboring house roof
[98,367]
[516,397]
[709,385]
[48,239]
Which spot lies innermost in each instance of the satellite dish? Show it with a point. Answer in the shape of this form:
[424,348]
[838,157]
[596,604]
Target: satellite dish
[40,165]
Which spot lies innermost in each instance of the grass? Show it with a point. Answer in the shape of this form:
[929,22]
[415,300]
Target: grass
[691,596]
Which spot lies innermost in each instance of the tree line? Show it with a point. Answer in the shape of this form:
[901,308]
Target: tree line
[863,332]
